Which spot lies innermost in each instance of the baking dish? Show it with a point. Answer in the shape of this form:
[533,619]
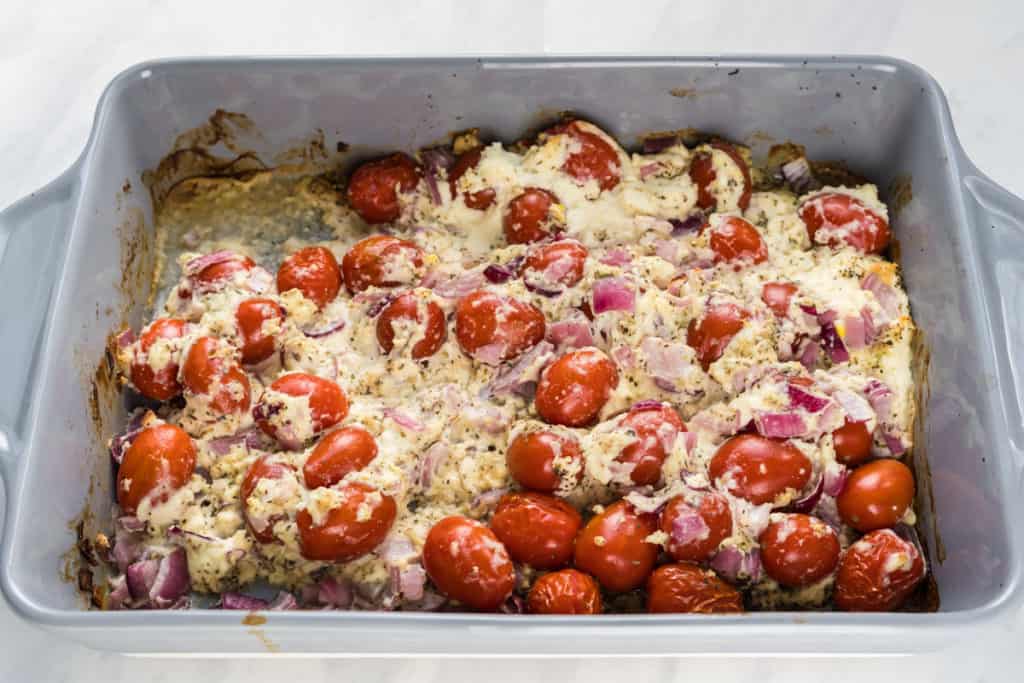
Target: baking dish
[75,259]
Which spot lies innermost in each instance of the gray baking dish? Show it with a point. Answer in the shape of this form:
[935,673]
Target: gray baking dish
[74,265]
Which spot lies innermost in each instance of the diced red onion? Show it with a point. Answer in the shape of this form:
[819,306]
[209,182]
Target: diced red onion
[396,549]
[120,443]
[519,377]
[433,459]
[824,317]
[172,579]
[411,582]
[855,407]
[624,357]
[856,334]
[430,601]
[666,361]
[201,263]
[834,478]
[232,600]
[613,294]
[807,503]
[496,273]
[259,280]
[141,575]
[687,527]
[616,256]
[799,175]
[667,250]
[513,605]
[175,531]
[809,354]
[833,344]
[327,328]
[779,425]
[888,298]
[403,419]
[649,169]
[119,597]
[571,333]
[223,445]
[801,398]
[334,593]
[461,285]
[434,160]
[894,443]
[658,143]
[490,354]
[689,441]
[283,601]
[880,397]
[736,566]
[125,338]
[691,223]
[488,499]
[870,329]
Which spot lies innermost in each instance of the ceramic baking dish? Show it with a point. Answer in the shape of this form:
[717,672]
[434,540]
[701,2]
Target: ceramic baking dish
[75,260]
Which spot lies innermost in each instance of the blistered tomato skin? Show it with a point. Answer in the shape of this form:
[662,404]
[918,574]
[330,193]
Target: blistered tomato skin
[480,200]
[381,261]
[690,540]
[798,550]
[613,548]
[250,317]
[703,174]
[374,187]
[529,216]
[224,270]
[266,467]
[876,495]
[327,402]
[352,529]
[843,219]
[590,157]
[759,469]
[852,442]
[537,529]
[710,334]
[734,239]
[574,388]
[338,453]
[160,384]
[656,428]
[777,295]
[878,573]
[531,460]
[314,272]
[558,263]
[159,461]
[467,562]
[410,308]
[566,591]
[206,371]
[493,328]
[686,588]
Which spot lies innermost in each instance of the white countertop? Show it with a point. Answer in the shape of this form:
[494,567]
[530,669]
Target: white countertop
[57,57]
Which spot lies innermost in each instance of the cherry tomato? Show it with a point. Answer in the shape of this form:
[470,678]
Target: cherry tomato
[712,332]
[314,272]
[355,527]
[493,328]
[425,314]
[844,219]
[374,187]
[574,388]
[537,529]
[250,318]
[481,199]
[734,239]
[206,371]
[876,495]
[878,573]
[336,454]
[566,591]
[852,442]
[528,217]
[328,404]
[467,562]
[799,550]
[161,383]
[159,461]
[552,267]
[591,156]
[656,427]
[777,295]
[686,588]
[531,459]
[267,467]
[612,547]
[694,533]
[703,174]
[224,270]
[759,469]
[381,261]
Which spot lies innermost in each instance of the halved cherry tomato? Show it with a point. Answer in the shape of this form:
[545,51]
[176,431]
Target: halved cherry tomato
[410,308]
[845,219]
[551,267]
[566,591]
[537,529]
[686,588]
[777,295]
[703,174]
[355,527]
[481,199]
[878,573]
[574,388]
[336,454]
[694,533]
[712,332]
[531,459]
[267,467]
[314,272]
[656,427]
[160,383]
[798,550]
[734,239]
[223,270]
[250,318]
[467,562]
[591,156]
[876,495]
[381,261]
[759,469]
[528,217]
[493,328]
[613,547]
[328,404]
[207,372]
[374,187]
[852,442]
[159,461]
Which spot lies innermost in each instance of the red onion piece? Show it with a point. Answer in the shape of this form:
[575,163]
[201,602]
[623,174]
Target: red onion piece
[689,441]
[141,576]
[880,397]
[521,377]
[201,263]
[801,398]
[411,582]
[175,531]
[172,580]
[125,338]
[624,357]
[543,291]
[834,478]
[231,600]
[461,285]
[403,419]
[870,329]
[809,501]
[571,333]
[688,527]
[119,597]
[612,294]
[496,273]
[488,499]
[431,462]
[326,329]
[736,566]
[616,256]
[888,297]
[832,343]
[691,223]
[658,143]
[283,601]
[855,407]
[434,161]
[120,443]
[809,354]
[856,333]
[649,169]
[779,425]
[894,443]
[513,605]
[335,593]
[799,175]
[396,549]
[667,250]
[490,354]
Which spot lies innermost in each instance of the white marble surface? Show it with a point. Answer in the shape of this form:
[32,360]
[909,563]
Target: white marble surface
[55,58]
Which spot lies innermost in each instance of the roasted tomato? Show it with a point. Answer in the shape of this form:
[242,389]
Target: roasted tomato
[481,199]
[759,469]
[876,495]
[159,461]
[695,532]
[734,239]
[531,216]
[656,426]
[550,268]
[353,528]
[537,529]
[686,588]
[777,295]
[574,388]
[878,573]
[704,175]
[224,268]
[374,187]
[156,375]
[252,318]
[539,460]
[833,218]
[267,467]
[314,272]
[327,403]
[852,442]
[210,370]
[420,318]
[493,328]
[467,562]
[381,261]
[590,156]
[710,334]
[565,592]
[336,454]
[798,550]
[613,547]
